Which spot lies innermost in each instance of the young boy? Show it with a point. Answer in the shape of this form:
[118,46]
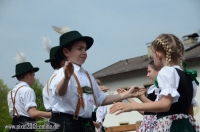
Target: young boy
[56,64]
[75,91]
[21,99]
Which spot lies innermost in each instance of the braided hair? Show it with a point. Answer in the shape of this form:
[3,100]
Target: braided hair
[171,46]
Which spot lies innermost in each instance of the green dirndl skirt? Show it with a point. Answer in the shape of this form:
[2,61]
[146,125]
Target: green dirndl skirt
[176,123]
[182,125]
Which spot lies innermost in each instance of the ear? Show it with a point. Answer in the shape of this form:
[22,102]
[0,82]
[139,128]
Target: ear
[159,55]
[66,52]
[62,63]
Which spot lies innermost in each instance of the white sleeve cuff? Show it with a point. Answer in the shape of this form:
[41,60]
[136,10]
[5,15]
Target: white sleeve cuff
[101,99]
[30,104]
[172,91]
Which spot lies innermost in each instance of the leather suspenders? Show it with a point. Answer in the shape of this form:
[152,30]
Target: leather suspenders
[80,95]
[13,101]
[49,82]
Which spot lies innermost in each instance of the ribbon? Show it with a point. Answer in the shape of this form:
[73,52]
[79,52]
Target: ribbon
[191,73]
[156,82]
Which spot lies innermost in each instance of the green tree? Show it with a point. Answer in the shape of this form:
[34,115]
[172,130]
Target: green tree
[5,118]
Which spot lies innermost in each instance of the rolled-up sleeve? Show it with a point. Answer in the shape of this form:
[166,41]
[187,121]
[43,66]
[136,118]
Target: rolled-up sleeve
[29,99]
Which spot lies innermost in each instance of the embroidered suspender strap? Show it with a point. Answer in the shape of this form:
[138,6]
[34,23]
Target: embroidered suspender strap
[80,98]
[49,82]
[92,88]
[13,101]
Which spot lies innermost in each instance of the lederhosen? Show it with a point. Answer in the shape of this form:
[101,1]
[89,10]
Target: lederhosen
[74,123]
[19,119]
[177,119]
[149,118]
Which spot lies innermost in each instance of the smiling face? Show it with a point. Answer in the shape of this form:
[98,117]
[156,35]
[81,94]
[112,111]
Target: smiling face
[77,54]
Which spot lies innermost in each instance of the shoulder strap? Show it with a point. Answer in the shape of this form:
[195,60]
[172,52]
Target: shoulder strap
[80,98]
[49,82]
[13,101]
[92,88]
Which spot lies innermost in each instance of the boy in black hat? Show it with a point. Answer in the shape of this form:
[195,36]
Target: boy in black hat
[21,99]
[56,64]
[75,91]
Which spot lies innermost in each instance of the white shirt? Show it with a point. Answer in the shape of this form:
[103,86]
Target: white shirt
[68,102]
[25,98]
[101,114]
[48,95]
[168,81]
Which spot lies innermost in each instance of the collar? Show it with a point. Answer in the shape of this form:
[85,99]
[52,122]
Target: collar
[20,83]
[55,71]
[177,66]
[77,67]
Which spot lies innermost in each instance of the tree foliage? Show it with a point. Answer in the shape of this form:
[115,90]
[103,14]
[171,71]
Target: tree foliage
[5,118]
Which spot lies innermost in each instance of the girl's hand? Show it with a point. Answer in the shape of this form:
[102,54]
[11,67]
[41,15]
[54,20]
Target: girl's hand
[135,91]
[120,108]
[121,90]
[68,70]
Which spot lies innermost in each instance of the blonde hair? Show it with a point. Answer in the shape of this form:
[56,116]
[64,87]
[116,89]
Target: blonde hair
[171,46]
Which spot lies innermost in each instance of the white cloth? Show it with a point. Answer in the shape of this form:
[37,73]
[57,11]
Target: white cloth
[168,81]
[100,115]
[47,96]
[25,98]
[68,102]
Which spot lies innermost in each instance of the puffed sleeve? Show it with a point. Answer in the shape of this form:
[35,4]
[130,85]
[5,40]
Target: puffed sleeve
[194,103]
[168,81]
[29,99]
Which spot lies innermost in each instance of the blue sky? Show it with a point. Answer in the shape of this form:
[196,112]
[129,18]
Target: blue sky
[120,29]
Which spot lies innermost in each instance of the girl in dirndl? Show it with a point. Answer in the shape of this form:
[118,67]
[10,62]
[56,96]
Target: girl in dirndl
[149,118]
[175,100]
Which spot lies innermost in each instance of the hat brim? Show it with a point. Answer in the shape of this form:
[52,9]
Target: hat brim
[89,42]
[50,60]
[35,69]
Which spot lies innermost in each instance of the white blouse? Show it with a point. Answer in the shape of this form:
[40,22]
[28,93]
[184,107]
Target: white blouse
[25,98]
[48,95]
[68,102]
[168,81]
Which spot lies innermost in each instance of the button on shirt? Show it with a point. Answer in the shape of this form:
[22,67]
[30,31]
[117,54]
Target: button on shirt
[47,94]
[68,102]
[25,98]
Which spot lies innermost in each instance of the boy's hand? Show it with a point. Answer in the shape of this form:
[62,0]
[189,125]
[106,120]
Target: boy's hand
[68,70]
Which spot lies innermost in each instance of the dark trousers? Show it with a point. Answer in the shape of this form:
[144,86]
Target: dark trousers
[20,121]
[68,124]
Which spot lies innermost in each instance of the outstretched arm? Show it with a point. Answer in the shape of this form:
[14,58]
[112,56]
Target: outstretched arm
[132,92]
[162,105]
[130,100]
[144,99]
